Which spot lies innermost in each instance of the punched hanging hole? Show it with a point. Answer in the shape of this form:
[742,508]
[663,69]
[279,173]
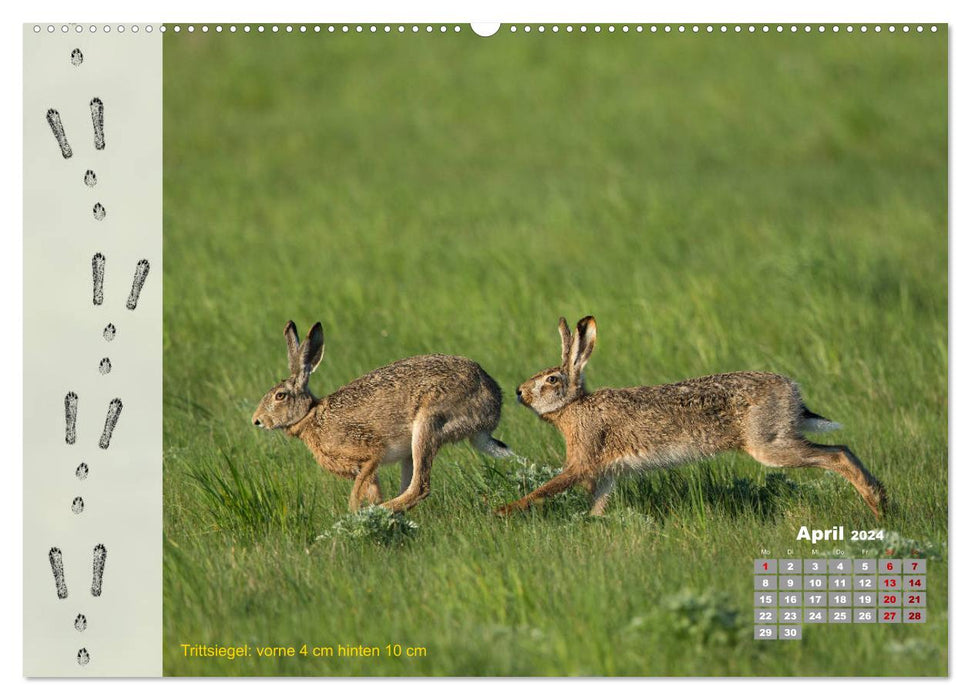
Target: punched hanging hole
[485,28]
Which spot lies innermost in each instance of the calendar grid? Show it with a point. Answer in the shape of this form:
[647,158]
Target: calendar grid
[791,593]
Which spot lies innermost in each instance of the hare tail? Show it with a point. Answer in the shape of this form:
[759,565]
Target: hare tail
[490,446]
[814,423]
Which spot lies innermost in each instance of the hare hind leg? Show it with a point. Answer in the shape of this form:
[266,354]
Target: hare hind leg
[797,452]
[424,446]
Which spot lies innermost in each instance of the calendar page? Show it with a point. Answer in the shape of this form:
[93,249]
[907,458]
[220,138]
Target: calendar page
[516,349]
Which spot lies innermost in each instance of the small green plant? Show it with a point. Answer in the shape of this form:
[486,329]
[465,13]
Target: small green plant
[373,523]
[707,618]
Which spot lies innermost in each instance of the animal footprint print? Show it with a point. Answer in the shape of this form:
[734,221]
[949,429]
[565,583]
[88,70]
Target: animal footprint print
[111,420]
[98,278]
[57,568]
[100,554]
[70,417]
[98,122]
[80,623]
[141,272]
[54,119]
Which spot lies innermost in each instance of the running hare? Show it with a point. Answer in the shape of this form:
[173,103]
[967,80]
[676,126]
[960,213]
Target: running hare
[403,412]
[611,431]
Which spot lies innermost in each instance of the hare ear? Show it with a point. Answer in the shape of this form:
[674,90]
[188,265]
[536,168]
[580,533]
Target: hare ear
[583,343]
[293,347]
[312,349]
[565,340]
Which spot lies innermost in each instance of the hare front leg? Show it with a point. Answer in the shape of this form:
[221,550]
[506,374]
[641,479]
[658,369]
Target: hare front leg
[602,489]
[366,486]
[559,483]
[407,470]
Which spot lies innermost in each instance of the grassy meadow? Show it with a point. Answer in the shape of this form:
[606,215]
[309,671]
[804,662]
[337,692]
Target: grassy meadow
[770,202]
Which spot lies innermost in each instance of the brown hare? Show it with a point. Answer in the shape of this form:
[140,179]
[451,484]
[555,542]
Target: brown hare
[612,431]
[403,412]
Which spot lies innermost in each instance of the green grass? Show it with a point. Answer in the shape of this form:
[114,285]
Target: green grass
[719,203]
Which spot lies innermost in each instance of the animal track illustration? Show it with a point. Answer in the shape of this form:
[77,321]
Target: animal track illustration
[111,420]
[98,261]
[54,119]
[98,122]
[100,554]
[57,567]
[70,417]
[98,278]
[141,272]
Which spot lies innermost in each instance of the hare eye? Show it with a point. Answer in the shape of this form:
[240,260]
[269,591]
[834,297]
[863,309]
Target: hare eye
[552,379]
[280,395]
